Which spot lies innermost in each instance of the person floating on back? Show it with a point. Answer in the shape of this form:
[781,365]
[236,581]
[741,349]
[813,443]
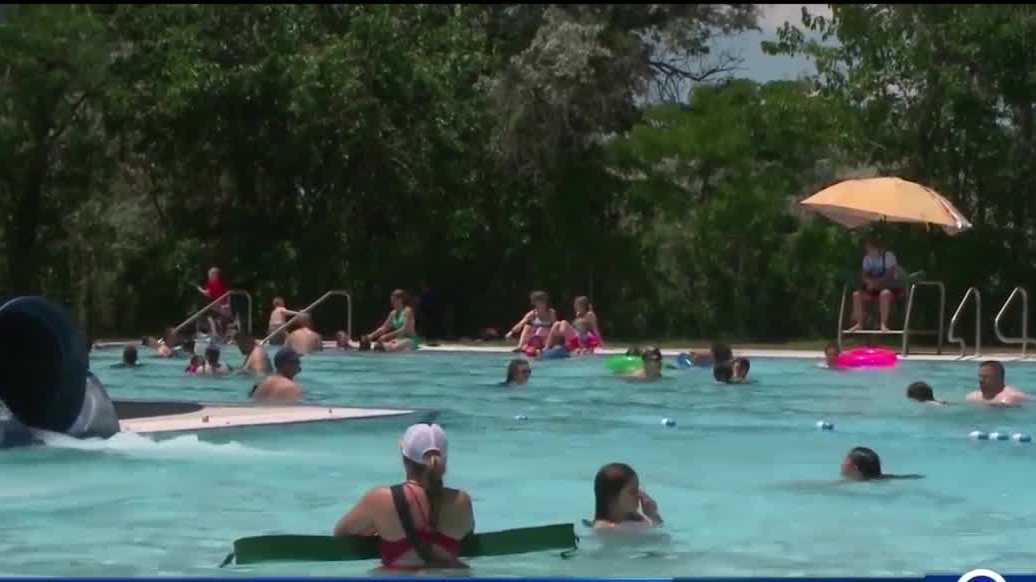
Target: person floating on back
[619,502]
[922,392]
[992,389]
[420,522]
[304,340]
[281,385]
[863,464]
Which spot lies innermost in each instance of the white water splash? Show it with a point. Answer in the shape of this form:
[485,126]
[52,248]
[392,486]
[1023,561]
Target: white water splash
[137,445]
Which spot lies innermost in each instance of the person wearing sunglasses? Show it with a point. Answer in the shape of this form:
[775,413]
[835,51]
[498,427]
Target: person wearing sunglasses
[518,372]
[651,369]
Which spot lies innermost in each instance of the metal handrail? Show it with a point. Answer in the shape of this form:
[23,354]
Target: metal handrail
[906,331]
[951,333]
[1025,340]
[216,302]
[321,299]
[910,308]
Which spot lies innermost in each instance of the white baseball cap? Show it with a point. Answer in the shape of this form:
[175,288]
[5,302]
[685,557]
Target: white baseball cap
[422,438]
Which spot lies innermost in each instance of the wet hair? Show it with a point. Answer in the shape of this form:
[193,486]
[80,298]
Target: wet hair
[744,362]
[430,478]
[723,372]
[608,483]
[129,355]
[920,391]
[402,295]
[721,353]
[651,353]
[867,462]
[536,296]
[996,365]
[512,369]
[582,302]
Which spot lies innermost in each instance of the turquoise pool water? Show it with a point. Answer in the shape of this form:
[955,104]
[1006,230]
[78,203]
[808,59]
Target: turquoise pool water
[745,481]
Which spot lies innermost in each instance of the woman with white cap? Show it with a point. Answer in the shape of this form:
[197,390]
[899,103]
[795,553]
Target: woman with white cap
[420,522]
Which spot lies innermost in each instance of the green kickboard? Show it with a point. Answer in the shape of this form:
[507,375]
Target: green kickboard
[312,548]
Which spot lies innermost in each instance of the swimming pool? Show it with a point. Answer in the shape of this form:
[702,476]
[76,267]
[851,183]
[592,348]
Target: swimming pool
[744,480]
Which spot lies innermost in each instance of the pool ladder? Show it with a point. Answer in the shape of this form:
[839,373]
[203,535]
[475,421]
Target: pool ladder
[217,301]
[952,332]
[311,306]
[906,332]
[1024,340]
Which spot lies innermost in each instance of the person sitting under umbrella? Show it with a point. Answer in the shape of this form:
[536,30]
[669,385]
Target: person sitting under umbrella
[882,281]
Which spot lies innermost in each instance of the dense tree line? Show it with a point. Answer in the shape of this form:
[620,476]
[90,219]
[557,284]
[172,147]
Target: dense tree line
[488,150]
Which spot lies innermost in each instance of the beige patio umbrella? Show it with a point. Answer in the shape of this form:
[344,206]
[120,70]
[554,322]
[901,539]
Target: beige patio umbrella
[854,203]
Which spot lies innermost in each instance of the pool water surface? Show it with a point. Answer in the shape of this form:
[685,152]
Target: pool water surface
[745,481]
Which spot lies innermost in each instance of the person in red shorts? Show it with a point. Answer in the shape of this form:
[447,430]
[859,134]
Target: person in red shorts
[883,281]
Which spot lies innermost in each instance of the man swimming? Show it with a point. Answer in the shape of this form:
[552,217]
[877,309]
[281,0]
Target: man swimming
[992,389]
[652,365]
[281,386]
[304,340]
[256,360]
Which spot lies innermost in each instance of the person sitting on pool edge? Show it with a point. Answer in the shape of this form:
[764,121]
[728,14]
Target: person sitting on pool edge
[518,372]
[420,522]
[303,339]
[863,464]
[620,502]
[651,368]
[129,358]
[212,366]
[256,360]
[534,327]
[992,389]
[399,332]
[280,386]
[922,392]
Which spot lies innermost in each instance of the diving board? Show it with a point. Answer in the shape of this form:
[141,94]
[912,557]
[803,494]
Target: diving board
[160,417]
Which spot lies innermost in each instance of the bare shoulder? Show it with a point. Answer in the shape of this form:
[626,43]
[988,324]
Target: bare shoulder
[456,497]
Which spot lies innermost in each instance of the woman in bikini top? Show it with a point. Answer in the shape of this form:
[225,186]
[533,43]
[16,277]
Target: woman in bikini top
[420,522]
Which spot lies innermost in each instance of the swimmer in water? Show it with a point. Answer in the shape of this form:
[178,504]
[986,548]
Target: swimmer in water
[992,389]
[863,464]
[518,372]
[212,366]
[922,392]
[129,358]
[652,365]
[304,340]
[620,502]
[535,325]
[194,366]
[256,360]
[831,356]
[281,385]
[739,368]
[342,341]
[420,521]
[723,373]
[721,354]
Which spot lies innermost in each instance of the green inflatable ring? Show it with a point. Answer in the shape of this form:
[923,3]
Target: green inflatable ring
[312,548]
[624,363]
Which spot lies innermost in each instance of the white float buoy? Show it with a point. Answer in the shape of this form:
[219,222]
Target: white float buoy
[668,422]
[825,425]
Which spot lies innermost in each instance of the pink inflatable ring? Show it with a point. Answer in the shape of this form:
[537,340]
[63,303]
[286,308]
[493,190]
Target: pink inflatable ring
[866,358]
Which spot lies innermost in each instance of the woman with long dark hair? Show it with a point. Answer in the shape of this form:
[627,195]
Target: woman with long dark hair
[420,521]
[619,500]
